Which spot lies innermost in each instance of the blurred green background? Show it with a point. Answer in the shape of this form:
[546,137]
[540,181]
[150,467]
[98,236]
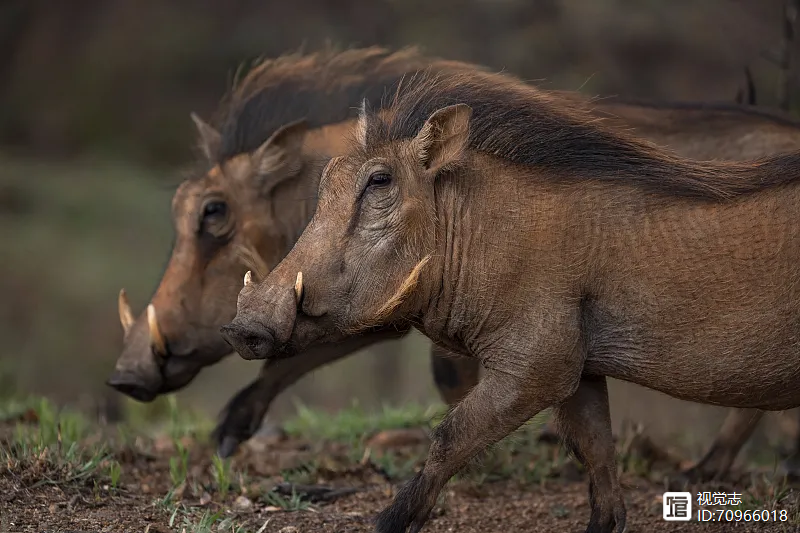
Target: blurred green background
[95,97]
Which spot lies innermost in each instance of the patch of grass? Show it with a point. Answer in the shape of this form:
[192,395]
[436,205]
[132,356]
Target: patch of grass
[182,520]
[773,493]
[351,424]
[114,473]
[222,474]
[179,464]
[304,474]
[51,448]
[294,502]
[398,466]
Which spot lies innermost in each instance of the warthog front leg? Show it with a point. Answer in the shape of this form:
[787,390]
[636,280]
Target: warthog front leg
[737,428]
[584,422]
[244,413]
[499,404]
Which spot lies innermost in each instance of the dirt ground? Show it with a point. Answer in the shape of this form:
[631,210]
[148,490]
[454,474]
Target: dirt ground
[295,485]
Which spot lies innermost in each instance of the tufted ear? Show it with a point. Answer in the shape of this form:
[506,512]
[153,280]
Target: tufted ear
[444,137]
[210,139]
[283,149]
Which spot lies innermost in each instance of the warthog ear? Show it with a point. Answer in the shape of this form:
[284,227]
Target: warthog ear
[210,139]
[283,149]
[444,136]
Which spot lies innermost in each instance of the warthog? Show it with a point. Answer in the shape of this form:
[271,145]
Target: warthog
[226,206]
[509,225]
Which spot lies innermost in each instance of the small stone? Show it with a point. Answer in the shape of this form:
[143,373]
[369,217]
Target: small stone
[243,503]
[205,499]
[289,529]
[272,509]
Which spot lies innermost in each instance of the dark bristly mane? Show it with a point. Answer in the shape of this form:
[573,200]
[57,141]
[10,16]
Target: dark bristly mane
[323,87]
[531,127]
[709,107]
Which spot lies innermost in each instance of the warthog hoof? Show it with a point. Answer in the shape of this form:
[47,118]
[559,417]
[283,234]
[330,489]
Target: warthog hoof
[239,420]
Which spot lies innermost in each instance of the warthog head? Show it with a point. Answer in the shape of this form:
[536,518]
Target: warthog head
[218,216]
[362,259]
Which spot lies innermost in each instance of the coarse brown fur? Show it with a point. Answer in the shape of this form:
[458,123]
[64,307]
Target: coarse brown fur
[570,141]
[268,213]
[563,252]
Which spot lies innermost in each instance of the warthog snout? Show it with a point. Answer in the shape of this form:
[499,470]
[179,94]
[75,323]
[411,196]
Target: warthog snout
[250,339]
[131,385]
[264,320]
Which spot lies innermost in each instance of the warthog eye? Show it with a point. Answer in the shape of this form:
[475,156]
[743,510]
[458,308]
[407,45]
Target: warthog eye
[378,179]
[211,209]
[215,218]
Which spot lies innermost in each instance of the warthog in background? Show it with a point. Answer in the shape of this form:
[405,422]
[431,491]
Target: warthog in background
[508,225]
[257,189]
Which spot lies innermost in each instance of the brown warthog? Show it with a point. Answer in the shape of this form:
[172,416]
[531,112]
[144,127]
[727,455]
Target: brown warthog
[230,206]
[509,225]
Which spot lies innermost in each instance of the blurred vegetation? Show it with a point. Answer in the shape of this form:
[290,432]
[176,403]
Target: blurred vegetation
[122,76]
[95,99]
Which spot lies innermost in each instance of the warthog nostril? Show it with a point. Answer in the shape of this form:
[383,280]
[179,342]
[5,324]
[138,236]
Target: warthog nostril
[248,341]
[130,385]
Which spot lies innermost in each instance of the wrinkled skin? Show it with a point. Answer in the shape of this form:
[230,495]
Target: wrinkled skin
[198,289]
[425,231]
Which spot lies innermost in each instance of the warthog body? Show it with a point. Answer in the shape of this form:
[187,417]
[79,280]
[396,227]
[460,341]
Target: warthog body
[226,206]
[509,225]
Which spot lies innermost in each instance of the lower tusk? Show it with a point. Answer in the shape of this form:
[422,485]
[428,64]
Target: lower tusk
[156,340]
[298,287]
[125,313]
[248,277]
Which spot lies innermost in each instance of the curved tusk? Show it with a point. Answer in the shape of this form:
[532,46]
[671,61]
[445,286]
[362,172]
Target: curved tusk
[125,313]
[298,287]
[156,340]
[248,277]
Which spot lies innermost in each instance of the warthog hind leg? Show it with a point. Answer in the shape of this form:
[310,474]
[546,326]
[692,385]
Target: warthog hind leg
[584,422]
[790,467]
[737,428]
